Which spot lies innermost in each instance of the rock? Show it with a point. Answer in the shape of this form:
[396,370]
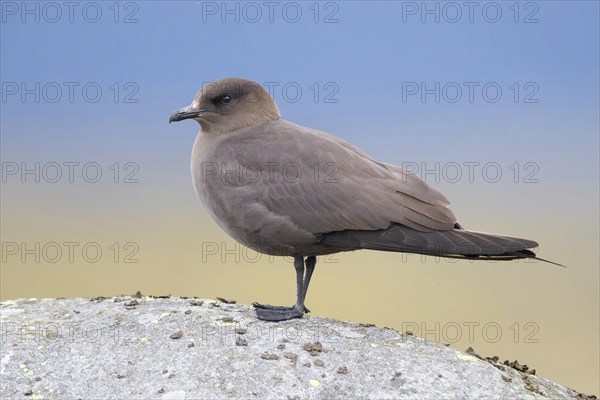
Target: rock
[176,335]
[269,356]
[115,353]
[313,348]
[132,304]
[293,357]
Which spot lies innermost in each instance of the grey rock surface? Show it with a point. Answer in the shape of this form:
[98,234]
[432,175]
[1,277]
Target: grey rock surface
[182,348]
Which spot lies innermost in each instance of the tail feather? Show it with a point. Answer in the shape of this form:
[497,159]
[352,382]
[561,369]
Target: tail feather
[457,243]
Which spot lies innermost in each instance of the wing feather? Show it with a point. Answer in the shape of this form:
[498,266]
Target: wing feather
[361,194]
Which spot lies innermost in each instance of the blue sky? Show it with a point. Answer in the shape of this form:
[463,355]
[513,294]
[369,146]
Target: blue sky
[367,54]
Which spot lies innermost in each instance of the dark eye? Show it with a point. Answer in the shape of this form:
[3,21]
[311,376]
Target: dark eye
[225,100]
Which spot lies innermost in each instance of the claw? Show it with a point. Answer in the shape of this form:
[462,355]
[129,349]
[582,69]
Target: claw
[270,307]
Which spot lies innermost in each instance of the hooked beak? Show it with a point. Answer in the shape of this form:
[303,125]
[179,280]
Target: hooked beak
[186,113]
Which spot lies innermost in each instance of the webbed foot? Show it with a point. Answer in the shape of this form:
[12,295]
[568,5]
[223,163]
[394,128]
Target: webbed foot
[267,312]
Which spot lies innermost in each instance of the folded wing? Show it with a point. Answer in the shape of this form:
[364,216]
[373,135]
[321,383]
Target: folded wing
[324,184]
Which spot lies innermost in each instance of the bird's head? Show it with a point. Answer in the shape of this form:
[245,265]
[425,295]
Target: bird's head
[228,105]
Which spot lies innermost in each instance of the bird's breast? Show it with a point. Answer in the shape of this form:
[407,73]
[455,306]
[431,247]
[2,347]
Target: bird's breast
[235,202]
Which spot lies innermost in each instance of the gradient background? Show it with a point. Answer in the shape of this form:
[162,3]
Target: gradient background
[172,48]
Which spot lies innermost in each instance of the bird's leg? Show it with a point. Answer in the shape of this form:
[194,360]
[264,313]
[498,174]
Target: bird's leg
[278,313]
[310,267]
